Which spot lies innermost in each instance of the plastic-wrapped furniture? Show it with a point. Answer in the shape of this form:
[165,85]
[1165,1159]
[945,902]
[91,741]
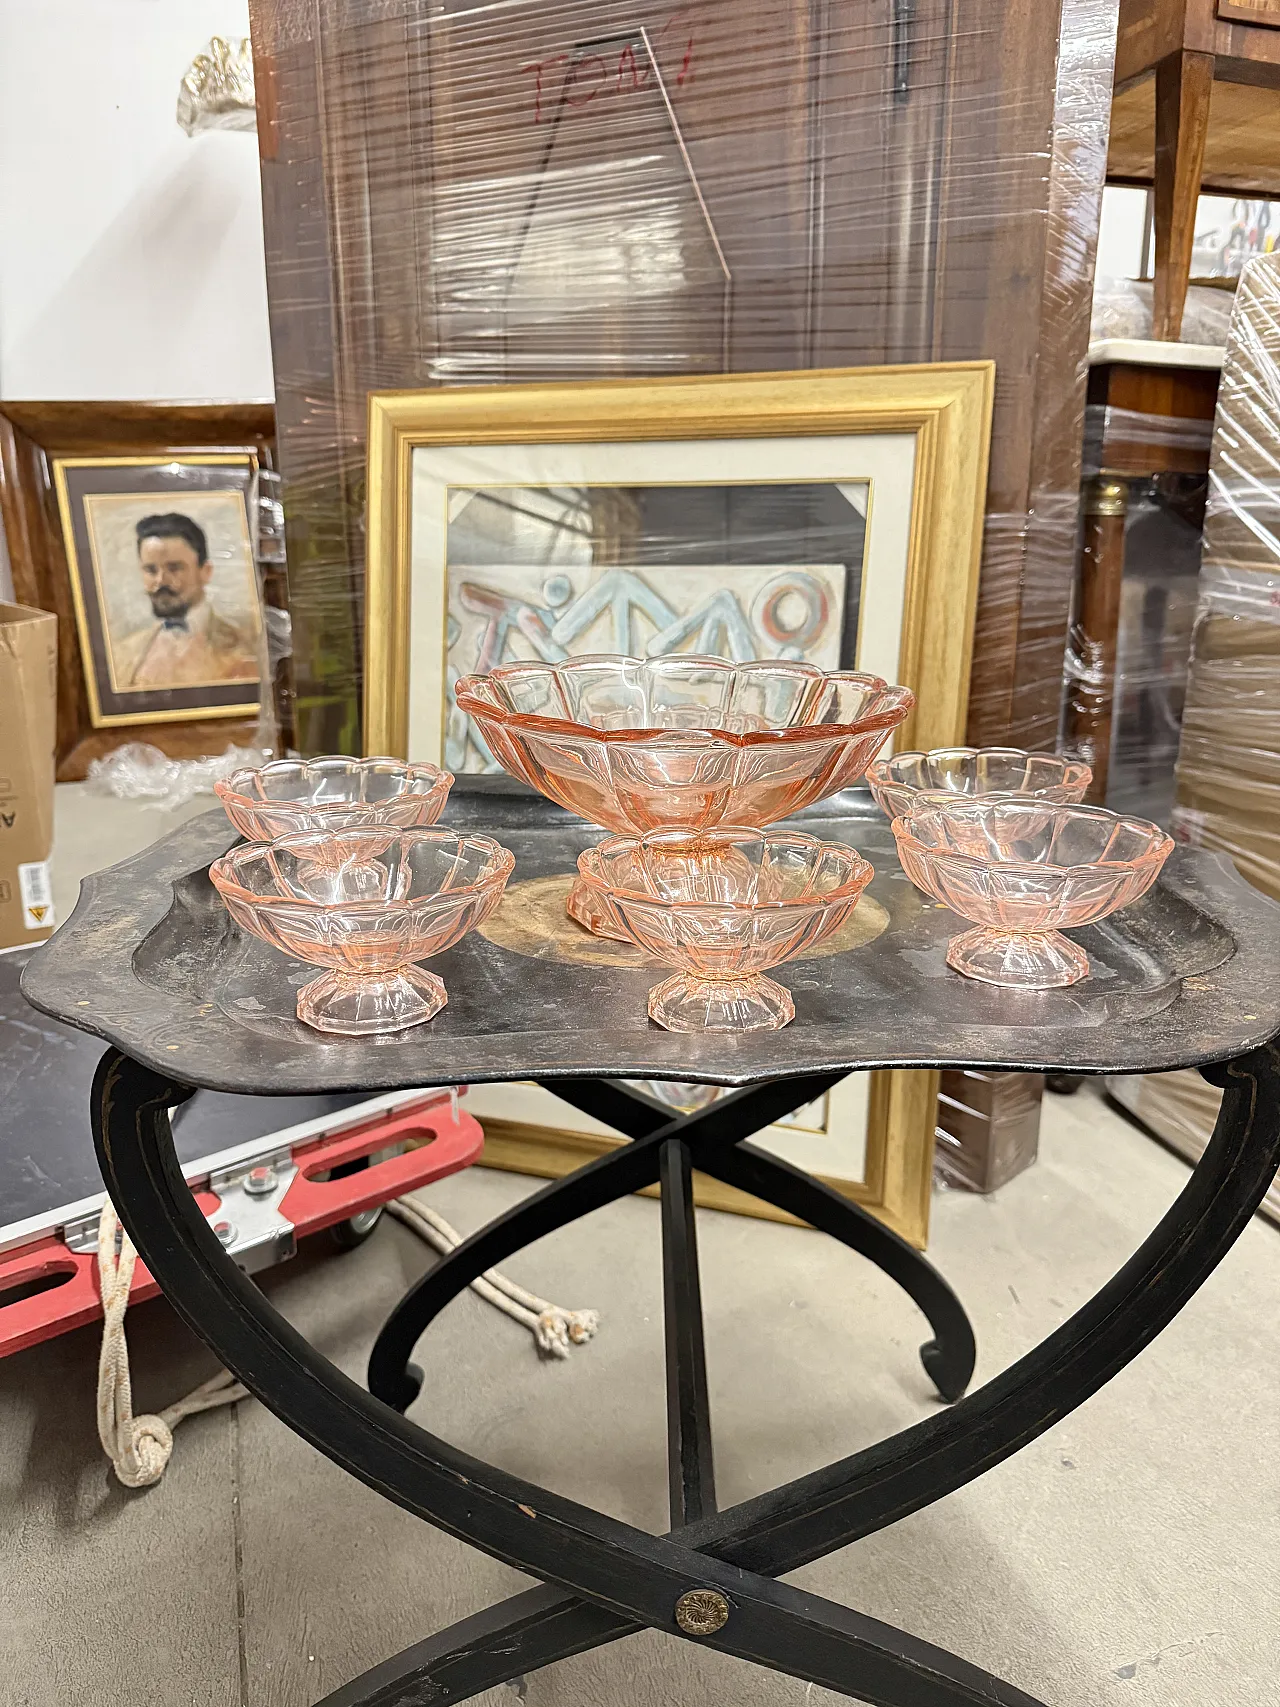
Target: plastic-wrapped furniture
[563,189]
[1228,771]
[1146,459]
[1215,66]
[1229,761]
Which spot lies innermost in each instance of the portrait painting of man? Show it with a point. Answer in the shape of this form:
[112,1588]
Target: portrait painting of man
[165,586]
[190,642]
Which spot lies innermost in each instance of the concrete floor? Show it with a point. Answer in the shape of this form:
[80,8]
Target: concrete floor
[92,831]
[1128,1557]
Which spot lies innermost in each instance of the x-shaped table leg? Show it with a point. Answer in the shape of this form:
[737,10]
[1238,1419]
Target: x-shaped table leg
[617,1578]
[715,1140]
[609,1177]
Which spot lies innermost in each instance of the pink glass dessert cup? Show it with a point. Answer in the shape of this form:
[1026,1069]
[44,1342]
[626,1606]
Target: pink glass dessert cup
[724,908]
[290,796]
[367,905]
[1024,870]
[897,782]
[680,742]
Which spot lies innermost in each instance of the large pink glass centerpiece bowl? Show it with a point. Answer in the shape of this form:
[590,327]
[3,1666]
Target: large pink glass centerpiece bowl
[332,793]
[685,743]
[897,782]
[1023,871]
[367,904]
[724,907]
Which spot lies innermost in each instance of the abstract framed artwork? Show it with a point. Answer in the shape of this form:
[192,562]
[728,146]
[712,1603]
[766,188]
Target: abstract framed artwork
[567,604]
[524,521]
[833,516]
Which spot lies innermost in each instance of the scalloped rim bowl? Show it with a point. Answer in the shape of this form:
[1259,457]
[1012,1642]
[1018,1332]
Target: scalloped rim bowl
[605,864]
[1020,904]
[477,696]
[263,817]
[648,888]
[373,983]
[743,743]
[899,781]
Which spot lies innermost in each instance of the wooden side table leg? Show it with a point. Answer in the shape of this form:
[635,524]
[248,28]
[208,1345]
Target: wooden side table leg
[1091,663]
[1184,82]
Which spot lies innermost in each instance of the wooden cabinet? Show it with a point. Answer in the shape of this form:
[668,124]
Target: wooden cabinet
[1264,12]
[1198,54]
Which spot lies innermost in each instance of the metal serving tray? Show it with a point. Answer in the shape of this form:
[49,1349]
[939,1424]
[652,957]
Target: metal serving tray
[151,962]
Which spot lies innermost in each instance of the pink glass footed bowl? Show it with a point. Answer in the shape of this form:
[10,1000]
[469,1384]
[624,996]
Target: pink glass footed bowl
[366,904]
[333,793]
[1023,870]
[724,908]
[680,742]
[897,782]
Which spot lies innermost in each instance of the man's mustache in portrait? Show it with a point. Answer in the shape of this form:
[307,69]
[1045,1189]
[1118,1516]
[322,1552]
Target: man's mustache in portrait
[167,602]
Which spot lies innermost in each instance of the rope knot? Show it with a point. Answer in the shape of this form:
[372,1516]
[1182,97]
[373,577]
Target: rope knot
[557,1329]
[139,1447]
[142,1458]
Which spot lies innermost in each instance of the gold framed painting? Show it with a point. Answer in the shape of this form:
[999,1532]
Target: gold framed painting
[164,584]
[833,516]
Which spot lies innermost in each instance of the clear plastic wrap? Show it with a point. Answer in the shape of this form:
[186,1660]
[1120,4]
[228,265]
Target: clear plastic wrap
[274,733]
[577,189]
[1228,773]
[1157,610]
[1126,666]
[1136,441]
[137,771]
[1228,764]
[1180,1108]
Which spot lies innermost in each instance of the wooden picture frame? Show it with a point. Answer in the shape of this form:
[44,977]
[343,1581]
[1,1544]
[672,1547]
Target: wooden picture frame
[34,436]
[931,421]
[181,523]
[942,409]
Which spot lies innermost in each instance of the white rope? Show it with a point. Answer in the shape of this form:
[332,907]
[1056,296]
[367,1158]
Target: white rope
[140,1447]
[554,1329]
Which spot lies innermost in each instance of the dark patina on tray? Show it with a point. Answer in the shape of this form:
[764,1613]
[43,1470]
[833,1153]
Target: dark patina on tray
[151,962]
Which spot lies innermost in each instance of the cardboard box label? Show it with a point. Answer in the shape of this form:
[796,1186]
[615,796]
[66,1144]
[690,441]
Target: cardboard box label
[28,710]
[37,895]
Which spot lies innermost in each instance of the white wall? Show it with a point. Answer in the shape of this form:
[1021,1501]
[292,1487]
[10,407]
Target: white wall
[131,258]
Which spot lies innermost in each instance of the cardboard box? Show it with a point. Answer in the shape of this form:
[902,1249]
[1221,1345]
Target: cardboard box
[28,702]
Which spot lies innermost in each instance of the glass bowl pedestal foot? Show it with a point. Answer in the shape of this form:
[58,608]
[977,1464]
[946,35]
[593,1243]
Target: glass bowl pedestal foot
[1041,960]
[686,1003]
[362,1004]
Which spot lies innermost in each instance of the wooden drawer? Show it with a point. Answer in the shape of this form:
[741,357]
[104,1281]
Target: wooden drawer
[1264,12]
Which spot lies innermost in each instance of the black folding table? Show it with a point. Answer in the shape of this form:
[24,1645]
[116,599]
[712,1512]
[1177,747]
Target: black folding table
[1189,976]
